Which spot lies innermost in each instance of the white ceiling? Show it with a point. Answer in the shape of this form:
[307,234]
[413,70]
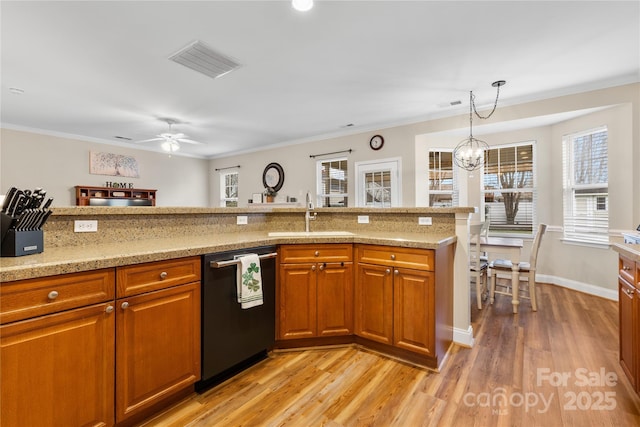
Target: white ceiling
[100,69]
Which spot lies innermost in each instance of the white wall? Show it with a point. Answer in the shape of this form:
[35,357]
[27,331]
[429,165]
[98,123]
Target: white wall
[30,160]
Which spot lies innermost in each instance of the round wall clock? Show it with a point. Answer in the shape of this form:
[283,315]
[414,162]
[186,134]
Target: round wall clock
[376,142]
[273,176]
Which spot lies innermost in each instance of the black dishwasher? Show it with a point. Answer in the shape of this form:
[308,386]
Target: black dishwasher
[234,338]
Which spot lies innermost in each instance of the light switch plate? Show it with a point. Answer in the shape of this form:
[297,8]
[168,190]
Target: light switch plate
[242,220]
[424,220]
[85,226]
[363,219]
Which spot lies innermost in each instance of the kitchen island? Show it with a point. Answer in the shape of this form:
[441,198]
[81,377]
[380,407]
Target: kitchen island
[140,274]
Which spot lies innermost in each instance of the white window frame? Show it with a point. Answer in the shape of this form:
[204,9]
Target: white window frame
[223,188]
[393,165]
[454,192]
[588,228]
[533,190]
[320,196]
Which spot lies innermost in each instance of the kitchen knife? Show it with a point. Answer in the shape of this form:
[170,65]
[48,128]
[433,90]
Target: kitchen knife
[48,203]
[7,199]
[13,201]
[20,205]
[17,197]
[29,218]
[43,219]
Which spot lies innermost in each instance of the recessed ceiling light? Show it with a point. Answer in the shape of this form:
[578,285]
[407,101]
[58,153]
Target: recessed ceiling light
[16,90]
[302,5]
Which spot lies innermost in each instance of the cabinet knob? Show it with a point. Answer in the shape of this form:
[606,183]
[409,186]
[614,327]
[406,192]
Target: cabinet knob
[109,309]
[317,253]
[163,275]
[626,268]
[396,272]
[313,268]
[388,271]
[125,305]
[393,257]
[322,266]
[629,292]
[52,295]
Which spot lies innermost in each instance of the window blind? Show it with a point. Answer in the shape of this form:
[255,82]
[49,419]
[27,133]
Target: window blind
[586,186]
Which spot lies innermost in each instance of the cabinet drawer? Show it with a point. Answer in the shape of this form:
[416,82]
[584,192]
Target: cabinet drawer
[44,295]
[140,278]
[627,270]
[417,259]
[315,253]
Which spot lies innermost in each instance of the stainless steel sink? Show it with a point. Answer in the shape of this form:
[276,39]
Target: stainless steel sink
[309,233]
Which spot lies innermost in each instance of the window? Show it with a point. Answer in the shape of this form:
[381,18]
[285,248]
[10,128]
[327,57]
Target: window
[509,188]
[378,183]
[586,187]
[443,188]
[332,183]
[229,189]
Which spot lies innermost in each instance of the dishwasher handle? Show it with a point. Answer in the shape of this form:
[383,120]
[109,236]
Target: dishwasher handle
[220,264]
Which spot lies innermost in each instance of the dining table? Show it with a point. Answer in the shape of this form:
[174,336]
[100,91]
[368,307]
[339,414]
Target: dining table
[511,249]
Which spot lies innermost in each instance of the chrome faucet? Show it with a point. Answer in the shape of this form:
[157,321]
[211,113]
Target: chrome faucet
[307,214]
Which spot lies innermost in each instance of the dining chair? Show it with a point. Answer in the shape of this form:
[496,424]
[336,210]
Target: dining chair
[477,266]
[527,274]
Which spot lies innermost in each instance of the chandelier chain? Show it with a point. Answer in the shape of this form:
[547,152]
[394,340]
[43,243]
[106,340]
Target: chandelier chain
[495,104]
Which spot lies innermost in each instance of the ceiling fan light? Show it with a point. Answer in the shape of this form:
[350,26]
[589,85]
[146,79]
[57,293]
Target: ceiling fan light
[302,5]
[170,146]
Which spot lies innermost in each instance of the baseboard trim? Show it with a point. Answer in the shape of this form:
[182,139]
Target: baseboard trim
[463,337]
[610,294]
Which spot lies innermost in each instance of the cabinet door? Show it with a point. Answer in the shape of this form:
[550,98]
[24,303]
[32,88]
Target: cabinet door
[157,346]
[297,301]
[335,299]
[414,311]
[374,303]
[628,302]
[57,370]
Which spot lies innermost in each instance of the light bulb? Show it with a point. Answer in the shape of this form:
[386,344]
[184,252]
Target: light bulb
[302,5]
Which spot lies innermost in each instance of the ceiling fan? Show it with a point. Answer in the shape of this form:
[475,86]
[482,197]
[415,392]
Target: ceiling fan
[170,141]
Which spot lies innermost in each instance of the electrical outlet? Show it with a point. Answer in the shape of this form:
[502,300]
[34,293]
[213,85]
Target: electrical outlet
[424,220]
[85,226]
[242,220]
[363,219]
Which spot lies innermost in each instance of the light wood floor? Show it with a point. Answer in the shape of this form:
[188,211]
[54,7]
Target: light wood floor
[516,359]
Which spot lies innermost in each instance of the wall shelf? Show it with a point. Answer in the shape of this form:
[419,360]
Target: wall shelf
[108,196]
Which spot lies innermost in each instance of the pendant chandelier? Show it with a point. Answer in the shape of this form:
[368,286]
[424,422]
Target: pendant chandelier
[469,153]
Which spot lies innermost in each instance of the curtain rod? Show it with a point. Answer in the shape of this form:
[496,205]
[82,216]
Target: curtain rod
[230,167]
[313,156]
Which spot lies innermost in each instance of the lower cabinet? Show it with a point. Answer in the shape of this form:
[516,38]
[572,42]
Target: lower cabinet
[315,291]
[157,347]
[395,305]
[629,320]
[57,370]
[157,333]
[74,351]
[404,301]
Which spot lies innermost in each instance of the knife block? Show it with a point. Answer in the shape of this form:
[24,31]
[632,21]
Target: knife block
[19,243]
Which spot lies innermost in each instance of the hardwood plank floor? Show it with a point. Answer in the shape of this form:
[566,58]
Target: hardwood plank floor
[528,369]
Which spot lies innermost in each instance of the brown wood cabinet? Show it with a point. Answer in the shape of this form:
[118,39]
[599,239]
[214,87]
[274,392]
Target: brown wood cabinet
[157,334]
[401,295]
[395,305]
[76,351]
[315,291]
[629,320]
[57,350]
[108,196]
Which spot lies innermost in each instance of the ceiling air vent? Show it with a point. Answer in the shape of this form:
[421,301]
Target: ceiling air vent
[202,59]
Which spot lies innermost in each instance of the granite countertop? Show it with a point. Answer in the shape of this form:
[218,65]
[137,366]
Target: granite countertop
[72,259]
[627,249]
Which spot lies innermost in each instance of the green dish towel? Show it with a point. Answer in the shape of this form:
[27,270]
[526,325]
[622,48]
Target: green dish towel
[249,281]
